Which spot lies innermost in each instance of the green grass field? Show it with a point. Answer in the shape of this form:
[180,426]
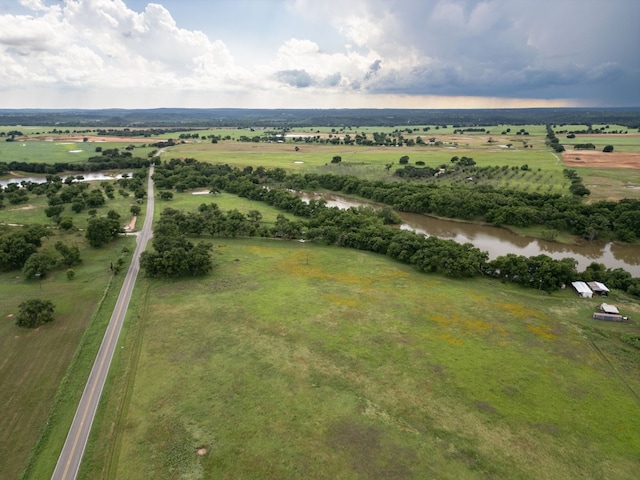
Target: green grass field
[35,362]
[301,361]
[60,151]
[47,152]
[621,143]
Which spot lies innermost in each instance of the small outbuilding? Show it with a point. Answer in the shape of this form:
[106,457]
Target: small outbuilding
[610,309]
[609,317]
[582,289]
[598,288]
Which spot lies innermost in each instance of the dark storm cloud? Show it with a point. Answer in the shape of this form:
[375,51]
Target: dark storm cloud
[295,78]
[585,49]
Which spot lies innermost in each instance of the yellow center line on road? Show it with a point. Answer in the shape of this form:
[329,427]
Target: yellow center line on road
[118,313]
[100,369]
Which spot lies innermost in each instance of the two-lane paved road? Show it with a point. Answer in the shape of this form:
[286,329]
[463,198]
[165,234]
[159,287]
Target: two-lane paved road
[71,455]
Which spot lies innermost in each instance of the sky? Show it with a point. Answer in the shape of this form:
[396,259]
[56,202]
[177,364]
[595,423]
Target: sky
[319,53]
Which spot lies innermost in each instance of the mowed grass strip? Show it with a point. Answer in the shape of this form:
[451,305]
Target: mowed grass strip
[64,151]
[302,361]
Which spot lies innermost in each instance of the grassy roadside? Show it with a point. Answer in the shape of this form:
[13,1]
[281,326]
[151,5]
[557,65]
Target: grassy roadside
[68,389]
[297,360]
[102,451]
[34,362]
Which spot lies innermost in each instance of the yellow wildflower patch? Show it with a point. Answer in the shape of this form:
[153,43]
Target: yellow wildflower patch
[518,311]
[542,331]
[477,325]
[340,300]
[451,340]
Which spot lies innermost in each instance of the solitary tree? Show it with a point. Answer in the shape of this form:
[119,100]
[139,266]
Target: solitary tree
[404,160]
[37,265]
[34,313]
[101,230]
[608,148]
[336,159]
[70,255]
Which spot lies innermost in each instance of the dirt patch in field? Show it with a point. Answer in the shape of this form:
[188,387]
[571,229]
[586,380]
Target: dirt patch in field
[26,207]
[585,158]
[129,227]
[93,138]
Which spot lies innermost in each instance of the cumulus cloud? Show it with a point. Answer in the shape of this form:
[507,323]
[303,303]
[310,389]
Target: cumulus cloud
[493,48]
[105,43]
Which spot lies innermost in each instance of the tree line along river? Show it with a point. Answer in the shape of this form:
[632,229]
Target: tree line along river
[498,241]
[495,241]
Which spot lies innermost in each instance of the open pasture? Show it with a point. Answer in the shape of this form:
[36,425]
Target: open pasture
[310,156]
[64,150]
[45,151]
[190,201]
[302,361]
[35,362]
[626,143]
[544,171]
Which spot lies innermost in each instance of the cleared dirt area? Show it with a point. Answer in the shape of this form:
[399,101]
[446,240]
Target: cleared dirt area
[585,158]
[93,138]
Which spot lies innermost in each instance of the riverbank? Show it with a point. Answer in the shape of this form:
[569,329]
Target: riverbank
[499,241]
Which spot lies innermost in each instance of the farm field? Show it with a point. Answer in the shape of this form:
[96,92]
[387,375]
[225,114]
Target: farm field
[296,360]
[35,363]
[544,167]
[361,400]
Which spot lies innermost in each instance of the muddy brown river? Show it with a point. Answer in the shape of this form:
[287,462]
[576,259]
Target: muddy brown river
[499,241]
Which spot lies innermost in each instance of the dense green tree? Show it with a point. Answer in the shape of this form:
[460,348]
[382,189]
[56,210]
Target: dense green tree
[35,312]
[95,199]
[78,205]
[15,249]
[38,265]
[166,194]
[101,230]
[173,255]
[54,211]
[70,254]
[66,223]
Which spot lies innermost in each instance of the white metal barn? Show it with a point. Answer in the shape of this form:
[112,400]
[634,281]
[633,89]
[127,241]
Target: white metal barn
[582,289]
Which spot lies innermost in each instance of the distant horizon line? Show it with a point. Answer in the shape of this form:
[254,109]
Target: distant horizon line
[88,109]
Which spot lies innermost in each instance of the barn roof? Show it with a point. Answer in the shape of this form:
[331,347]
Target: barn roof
[598,287]
[581,287]
[606,308]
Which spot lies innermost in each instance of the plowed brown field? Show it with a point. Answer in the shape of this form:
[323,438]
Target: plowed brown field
[585,158]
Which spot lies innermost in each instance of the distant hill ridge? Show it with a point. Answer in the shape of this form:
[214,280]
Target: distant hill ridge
[281,118]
